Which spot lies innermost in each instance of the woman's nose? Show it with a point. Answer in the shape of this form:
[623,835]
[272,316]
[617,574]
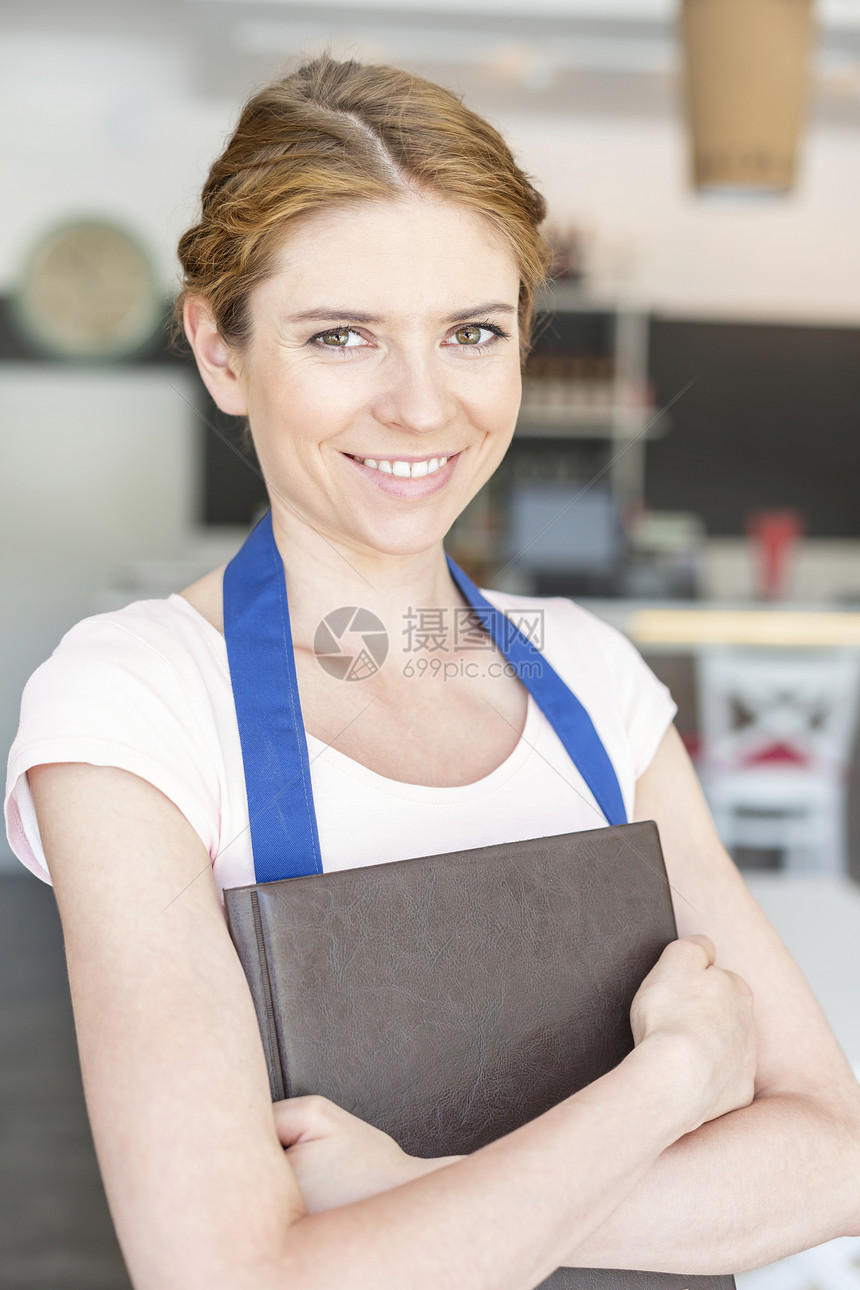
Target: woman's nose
[416,396]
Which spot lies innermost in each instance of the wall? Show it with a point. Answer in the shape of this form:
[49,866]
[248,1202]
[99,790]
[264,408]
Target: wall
[98,123]
[794,259]
[98,470]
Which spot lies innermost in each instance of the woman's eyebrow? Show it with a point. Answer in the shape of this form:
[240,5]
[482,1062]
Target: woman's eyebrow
[494,307]
[322,313]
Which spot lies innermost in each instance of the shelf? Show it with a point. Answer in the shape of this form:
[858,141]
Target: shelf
[595,385]
[618,423]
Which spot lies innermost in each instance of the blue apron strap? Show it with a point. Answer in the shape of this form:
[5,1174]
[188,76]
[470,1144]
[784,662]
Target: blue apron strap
[559,704]
[284,835]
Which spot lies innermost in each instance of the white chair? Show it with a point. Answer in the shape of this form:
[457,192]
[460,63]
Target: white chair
[777,729]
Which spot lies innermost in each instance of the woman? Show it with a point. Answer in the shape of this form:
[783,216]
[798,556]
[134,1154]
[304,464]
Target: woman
[359,286]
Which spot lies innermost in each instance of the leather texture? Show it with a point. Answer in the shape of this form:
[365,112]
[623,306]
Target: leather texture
[450,999]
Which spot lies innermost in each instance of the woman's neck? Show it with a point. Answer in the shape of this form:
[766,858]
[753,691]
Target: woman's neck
[323,575]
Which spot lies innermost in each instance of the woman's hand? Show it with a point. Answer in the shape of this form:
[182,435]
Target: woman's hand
[338,1158]
[709,1010]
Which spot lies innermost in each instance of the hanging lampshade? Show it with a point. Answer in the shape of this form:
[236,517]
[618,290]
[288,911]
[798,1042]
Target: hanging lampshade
[746,74]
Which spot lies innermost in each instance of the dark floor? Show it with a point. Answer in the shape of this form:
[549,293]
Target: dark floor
[55,1230]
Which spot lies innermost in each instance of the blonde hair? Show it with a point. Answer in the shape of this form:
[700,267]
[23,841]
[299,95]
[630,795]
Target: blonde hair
[344,132]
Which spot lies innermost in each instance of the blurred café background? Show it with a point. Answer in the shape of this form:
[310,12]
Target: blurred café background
[686,462]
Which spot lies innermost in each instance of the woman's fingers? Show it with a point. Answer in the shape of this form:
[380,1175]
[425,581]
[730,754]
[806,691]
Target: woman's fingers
[300,1119]
[706,943]
[336,1157]
[711,1011]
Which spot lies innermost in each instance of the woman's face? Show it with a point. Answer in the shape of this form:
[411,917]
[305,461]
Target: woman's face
[388,333]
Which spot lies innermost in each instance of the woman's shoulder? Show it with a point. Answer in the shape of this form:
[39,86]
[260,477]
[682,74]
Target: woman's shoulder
[151,652]
[600,664]
[206,597]
[144,688]
[175,628]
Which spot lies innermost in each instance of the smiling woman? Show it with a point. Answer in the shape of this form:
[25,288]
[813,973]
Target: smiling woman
[359,286]
[420,361]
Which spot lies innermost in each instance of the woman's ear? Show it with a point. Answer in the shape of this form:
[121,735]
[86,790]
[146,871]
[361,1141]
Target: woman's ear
[215,361]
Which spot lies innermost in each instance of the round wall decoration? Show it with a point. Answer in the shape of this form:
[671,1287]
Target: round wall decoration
[89,291]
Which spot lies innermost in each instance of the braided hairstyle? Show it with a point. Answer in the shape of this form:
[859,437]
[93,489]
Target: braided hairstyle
[345,132]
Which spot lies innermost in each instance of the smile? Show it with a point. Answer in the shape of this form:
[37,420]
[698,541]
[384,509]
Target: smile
[397,477]
[403,469]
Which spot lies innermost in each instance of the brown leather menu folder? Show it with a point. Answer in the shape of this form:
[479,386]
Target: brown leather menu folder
[452,998]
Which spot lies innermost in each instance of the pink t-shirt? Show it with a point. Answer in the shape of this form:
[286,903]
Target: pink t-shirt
[147,689]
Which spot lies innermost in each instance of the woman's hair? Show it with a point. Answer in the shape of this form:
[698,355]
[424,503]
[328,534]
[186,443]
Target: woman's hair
[344,132]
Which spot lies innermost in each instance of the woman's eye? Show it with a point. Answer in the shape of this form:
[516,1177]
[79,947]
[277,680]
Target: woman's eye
[470,334]
[478,336]
[339,338]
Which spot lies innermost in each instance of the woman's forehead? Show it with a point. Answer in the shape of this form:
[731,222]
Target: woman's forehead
[392,251]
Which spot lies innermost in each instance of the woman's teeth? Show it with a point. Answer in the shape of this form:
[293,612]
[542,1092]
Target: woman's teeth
[412,469]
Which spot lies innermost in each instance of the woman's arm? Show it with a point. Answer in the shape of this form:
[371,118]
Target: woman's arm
[748,1187]
[777,1176]
[201,1192]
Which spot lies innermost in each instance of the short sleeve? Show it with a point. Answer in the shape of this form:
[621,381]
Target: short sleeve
[110,698]
[644,703]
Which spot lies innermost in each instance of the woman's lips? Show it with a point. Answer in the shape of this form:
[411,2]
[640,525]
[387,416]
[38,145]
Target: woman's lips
[405,485]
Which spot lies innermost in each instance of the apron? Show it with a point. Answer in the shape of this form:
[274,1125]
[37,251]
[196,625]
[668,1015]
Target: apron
[284,835]
[283,823]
